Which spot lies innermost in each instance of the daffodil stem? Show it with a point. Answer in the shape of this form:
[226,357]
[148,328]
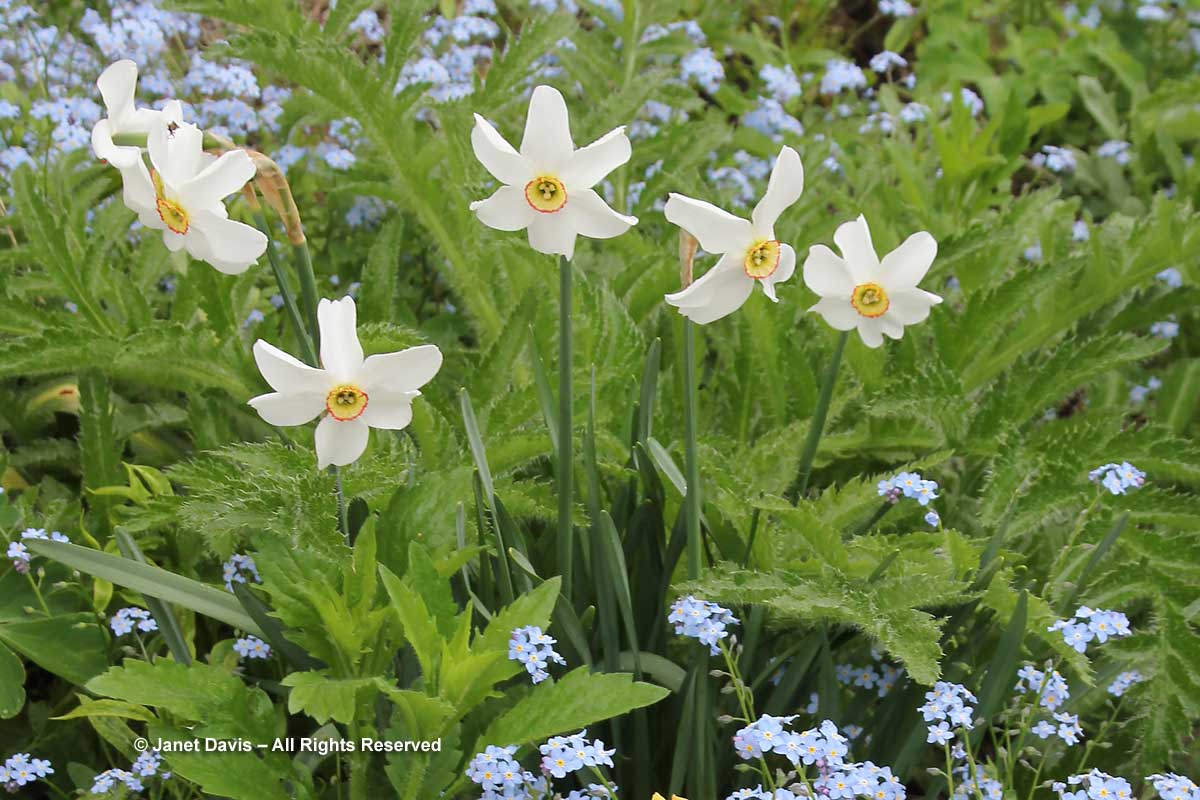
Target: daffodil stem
[566,531]
[343,511]
[281,280]
[817,424]
[308,283]
[691,464]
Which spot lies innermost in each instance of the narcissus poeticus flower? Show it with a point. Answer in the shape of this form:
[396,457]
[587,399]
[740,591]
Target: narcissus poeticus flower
[860,291]
[117,85]
[182,193]
[749,251]
[354,393]
[548,184]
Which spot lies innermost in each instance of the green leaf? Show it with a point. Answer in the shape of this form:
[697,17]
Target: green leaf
[324,698]
[580,698]
[120,709]
[147,579]
[1101,106]
[420,629]
[12,684]
[236,775]
[70,645]
[219,704]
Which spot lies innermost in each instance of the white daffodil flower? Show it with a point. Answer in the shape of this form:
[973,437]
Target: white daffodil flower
[749,251]
[183,191]
[117,85]
[860,291]
[548,185]
[354,393]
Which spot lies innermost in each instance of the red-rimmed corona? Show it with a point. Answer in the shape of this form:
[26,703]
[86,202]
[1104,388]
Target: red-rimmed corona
[870,300]
[346,402]
[546,194]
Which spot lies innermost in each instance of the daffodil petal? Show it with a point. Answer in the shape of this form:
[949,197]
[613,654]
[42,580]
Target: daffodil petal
[403,371]
[117,85]
[837,313]
[870,331]
[552,234]
[590,164]
[389,410]
[826,274]
[891,326]
[281,409]
[341,352]
[137,191]
[717,230]
[340,442]
[176,151]
[718,293]
[547,144]
[784,188]
[854,240]
[218,180]
[904,267]
[592,217]
[233,244]
[785,269]
[119,156]
[287,374]
[506,210]
[912,306]
[497,155]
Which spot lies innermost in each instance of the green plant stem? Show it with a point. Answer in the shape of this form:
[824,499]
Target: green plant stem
[867,524]
[38,593]
[1013,752]
[359,764]
[1080,522]
[342,509]
[745,698]
[971,762]
[612,790]
[1037,773]
[817,424]
[308,285]
[307,350]
[691,464]
[949,770]
[1099,737]
[565,477]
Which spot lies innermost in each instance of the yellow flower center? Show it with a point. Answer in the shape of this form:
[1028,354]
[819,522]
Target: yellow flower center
[762,259]
[346,402]
[869,299]
[170,212]
[546,194]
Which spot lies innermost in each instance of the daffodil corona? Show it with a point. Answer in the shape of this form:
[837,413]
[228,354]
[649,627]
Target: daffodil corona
[548,184]
[353,393]
[858,290]
[749,251]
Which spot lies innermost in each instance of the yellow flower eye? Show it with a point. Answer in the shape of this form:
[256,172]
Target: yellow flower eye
[762,259]
[346,402]
[869,299]
[546,194]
